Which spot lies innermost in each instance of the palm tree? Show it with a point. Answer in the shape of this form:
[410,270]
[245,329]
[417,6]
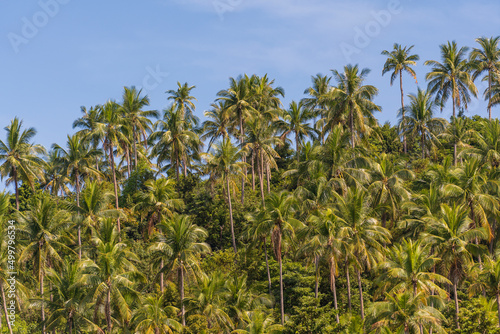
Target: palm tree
[294,121]
[318,100]
[488,280]
[279,208]
[184,102]
[137,118]
[160,200]
[451,237]
[398,60]
[486,59]
[113,274]
[44,226]
[354,100]
[174,140]
[217,124]
[55,177]
[458,133]
[487,144]
[185,240]
[258,322]
[77,161]
[225,162]
[419,120]
[19,156]
[153,317]
[361,232]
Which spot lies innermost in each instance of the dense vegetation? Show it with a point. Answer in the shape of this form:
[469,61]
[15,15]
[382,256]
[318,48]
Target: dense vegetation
[149,223]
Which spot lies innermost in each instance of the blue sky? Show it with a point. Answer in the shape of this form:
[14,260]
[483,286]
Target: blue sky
[58,55]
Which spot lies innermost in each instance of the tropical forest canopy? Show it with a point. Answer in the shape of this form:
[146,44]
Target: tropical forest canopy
[264,218]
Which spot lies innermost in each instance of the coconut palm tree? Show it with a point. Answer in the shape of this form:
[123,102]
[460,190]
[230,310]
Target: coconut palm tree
[20,157]
[280,211]
[153,317]
[361,232]
[217,124]
[138,119]
[486,59]
[452,237]
[294,121]
[259,322]
[458,133]
[487,144]
[318,100]
[44,225]
[225,162]
[398,60]
[184,103]
[55,178]
[186,242]
[77,161]
[488,280]
[354,101]
[419,121]
[113,275]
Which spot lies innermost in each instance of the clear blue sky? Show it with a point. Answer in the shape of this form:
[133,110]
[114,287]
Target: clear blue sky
[58,55]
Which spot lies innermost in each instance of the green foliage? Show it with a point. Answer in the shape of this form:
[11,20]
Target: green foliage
[310,317]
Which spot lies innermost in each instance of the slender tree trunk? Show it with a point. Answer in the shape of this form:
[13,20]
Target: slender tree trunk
[282,301]
[181,287]
[402,108]
[268,176]
[456,302]
[231,213]
[5,308]
[135,147]
[297,145]
[184,163]
[454,144]
[260,167]
[498,307]
[177,172]
[161,277]
[333,287]
[43,306]
[349,304]
[489,98]
[267,266]
[360,286]
[16,189]
[244,159]
[351,126]
[423,145]
[316,274]
[253,172]
[108,309]
[79,227]
[70,325]
[115,184]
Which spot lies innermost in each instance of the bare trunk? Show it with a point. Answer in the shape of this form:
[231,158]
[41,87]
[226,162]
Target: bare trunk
[316,276]
[135,147]
[231,213]
[184,162]
[402,108]
[297,145]
[351,126]
[253,172]
[260,167]
[244,159]
[489,95]
[181,287]
[5,308]
[115,184]
[360,287]
[108,310]
[282,301]
[348,283]
[16,189]
[268,176]
[498,308]
[333,287]
[267,266]
[161,277]
[423,145]
[43,306]
[79,227]
[454,144]
[456,302]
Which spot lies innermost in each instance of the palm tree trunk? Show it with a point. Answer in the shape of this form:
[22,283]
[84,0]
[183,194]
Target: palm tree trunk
[127,156]
[423,145]
[135,147]
[78,205]
[489,95]
[161,277]
[360,286]
[282,301]
[70,325]
[5,308]
[260,167]
[316,276]
[184,162]
[16,188]
[231,213]
[253,172]
[268,177]
[454,144]
[181,287]
[402,108]
[455,283]
[297,145]
[43,307]
[351,126]
[498,308]
[334,289]
[349,304]
[115,184]
[267,266]
[244,159]
[108,309]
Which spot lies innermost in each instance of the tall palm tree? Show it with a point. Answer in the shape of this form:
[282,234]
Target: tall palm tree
[77,161]
[184,102]
[318,100]
[486,59]
[398,60]
[488,280]
[294,121]
[217,124]
[20,157]
[419,121]
[174,141]
[44,226]
[186,242]
[487,144]
[113,274]
[362,232]
[459,134]
[138,119]
[225,162]
[55,176]
[451,237]
[280,211]
[354,100]
[153,317]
